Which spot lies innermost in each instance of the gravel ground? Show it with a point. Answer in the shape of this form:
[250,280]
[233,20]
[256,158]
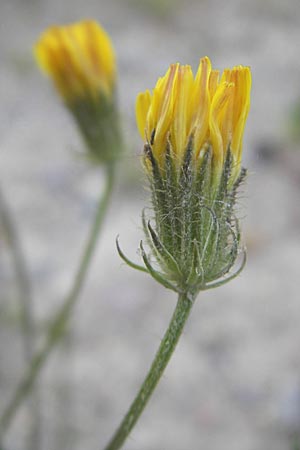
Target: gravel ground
[234,381]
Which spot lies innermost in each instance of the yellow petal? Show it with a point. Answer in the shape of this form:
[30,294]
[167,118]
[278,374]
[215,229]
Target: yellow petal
[240,110]
[182,99]
[165,109]
[143,102]
[218,106]
[213,82]
[201,103]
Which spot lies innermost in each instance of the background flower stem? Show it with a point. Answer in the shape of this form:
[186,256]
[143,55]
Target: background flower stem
[162,357]
[58,324]
[21,277]
[24,296]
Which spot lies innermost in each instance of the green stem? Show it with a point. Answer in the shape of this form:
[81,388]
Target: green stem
[58,325]
[26,307]
[157,368]
[22,278]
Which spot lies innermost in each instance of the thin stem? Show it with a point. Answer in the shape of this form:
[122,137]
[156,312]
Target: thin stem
[162,357]
[26,307]
[59,322]
[21,276]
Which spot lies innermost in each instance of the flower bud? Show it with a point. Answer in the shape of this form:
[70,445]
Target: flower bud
[81,62]
[193,129]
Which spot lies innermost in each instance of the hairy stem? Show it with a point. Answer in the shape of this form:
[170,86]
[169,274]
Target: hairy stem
[157,368]
[58,324]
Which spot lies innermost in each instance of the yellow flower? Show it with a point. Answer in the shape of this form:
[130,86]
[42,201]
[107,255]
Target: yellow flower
[210,110]
[80,59]
[193,130]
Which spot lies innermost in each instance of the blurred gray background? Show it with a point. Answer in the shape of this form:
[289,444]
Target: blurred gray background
[234,381]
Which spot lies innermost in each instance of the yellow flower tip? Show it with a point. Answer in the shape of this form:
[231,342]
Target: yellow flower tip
[142,104]
[79,58]
[181,106]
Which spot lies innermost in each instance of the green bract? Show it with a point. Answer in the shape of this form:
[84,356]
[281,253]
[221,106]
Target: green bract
[194,236]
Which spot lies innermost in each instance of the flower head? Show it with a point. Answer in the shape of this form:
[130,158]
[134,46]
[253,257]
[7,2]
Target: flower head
[79,58]
[211,110]
[193,130]
[81,62]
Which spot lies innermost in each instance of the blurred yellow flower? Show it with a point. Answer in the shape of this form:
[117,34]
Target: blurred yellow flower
[212,112]
[79,58]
